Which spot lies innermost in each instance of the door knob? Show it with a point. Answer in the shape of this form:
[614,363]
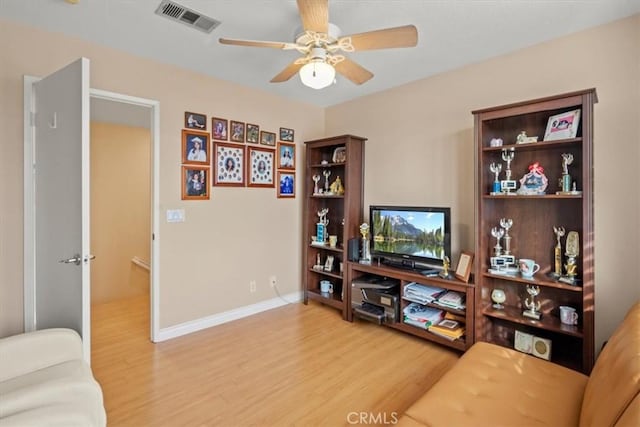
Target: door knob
[76,259]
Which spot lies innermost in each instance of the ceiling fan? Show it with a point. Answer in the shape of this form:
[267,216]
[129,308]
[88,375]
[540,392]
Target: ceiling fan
[320,44]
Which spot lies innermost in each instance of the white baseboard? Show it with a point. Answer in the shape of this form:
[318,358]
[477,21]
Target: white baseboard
[227,316]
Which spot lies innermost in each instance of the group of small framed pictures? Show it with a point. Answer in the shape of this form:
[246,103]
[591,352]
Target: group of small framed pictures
[234,165]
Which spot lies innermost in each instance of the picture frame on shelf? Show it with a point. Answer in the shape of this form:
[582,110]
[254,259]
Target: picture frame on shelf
[220,128]
[229,165]
[253,133]
[195,120]
[286,184]
[523,342]
[195,147]
[286,155]
[563,126]
[339,155]
[237,131]
[463,270]
[260,166]
[195,182]
[267,138]
[328,264]
[541,347]
[286,134]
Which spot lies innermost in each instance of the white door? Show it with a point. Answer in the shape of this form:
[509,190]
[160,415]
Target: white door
[62,254]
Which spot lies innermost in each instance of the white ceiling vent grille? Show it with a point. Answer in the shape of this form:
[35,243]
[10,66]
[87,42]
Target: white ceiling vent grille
[178,13]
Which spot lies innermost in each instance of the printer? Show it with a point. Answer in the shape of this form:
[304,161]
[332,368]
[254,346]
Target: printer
[376,299]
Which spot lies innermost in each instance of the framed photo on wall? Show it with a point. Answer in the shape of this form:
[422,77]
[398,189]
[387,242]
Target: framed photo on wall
[253,133]
[237,131]
[286,184]
[268,138]
[229,165]
[195,147]
[195,121]
[195,183]
[286,155]
[260,162]
[220,128]
[286,134]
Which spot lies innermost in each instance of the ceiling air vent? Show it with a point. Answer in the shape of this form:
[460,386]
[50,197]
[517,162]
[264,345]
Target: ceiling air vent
[178,13]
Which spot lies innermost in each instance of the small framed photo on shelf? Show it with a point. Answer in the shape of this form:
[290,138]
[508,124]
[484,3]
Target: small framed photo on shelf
[328,265]
[339,155]
[541,347]
[286,155]
[563,126]
[268,138]
[195,183]
[463,270]
[260,164]
[286,134]
[237,131]
[523,342]
[286,184]
[220,128]
[195,147]
[253,133]
[195,121]
[229,165]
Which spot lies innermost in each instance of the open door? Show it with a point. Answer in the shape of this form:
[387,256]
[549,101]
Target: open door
[61,188]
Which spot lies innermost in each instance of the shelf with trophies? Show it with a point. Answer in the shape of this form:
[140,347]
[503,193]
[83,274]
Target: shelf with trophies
[333,203]
[534,264]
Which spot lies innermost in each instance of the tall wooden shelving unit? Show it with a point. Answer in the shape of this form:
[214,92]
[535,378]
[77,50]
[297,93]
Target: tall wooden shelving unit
[534,217]
[345,215]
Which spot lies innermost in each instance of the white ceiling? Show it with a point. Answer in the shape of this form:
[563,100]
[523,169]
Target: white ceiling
[451,33]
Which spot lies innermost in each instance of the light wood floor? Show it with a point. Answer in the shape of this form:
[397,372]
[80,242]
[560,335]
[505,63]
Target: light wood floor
[295,365]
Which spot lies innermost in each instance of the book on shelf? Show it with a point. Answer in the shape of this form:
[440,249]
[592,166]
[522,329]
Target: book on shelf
[451,299]
[449,329]
[421,316]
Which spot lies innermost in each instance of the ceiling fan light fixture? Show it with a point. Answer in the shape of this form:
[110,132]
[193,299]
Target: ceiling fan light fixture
[317,74]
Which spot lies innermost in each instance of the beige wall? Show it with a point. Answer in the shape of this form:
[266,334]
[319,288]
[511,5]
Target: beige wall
[120,210]
[206,263]
[420,148]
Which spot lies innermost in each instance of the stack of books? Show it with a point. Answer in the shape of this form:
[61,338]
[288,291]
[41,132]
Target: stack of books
[452,299]
[422,294]
[421,316]
[448,329]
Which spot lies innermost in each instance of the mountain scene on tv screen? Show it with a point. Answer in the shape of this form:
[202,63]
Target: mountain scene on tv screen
[403,233]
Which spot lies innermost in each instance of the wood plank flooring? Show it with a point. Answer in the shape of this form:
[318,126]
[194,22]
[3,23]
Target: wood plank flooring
[295,365]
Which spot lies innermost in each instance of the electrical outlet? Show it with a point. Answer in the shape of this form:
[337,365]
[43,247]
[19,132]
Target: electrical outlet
[252,286]
[272,281]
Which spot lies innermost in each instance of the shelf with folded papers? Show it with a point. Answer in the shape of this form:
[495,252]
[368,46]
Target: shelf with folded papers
[458,311]
[459,344]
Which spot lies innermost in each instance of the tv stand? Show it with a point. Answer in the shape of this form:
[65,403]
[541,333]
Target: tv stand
[356,270]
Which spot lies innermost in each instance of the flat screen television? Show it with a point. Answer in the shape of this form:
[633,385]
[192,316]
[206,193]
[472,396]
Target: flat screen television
[410,237]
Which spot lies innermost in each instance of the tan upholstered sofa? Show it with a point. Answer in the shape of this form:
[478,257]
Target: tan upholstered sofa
[44,381]
[496,386]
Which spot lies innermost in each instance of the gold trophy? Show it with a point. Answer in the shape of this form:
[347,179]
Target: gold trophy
[533,305]
[557,255]
[366,253]
[572,250]
[446,263]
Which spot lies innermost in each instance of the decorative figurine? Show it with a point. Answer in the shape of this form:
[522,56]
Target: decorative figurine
[506,223]
[446,264]
[497,233]
[535,182]
[557,252]
[533,305]
[337,188]
[522,138]
[496,168]
[508,184]
[327,174]
[495,142]
[572,250]
[316,179]
[498,296]
[366,253]
[321,226]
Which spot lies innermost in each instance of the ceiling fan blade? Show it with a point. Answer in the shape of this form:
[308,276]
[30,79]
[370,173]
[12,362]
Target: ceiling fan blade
[353,71]
[288,72]
[256,43]
[314,15]
[405,36]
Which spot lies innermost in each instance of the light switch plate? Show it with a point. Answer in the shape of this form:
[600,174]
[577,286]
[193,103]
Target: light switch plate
[175,215]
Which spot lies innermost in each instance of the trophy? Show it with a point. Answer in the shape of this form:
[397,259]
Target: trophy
[316,179]
[565,182]
[506,223]
[326,174]
[557,252]
[506,185]
[533,305]
[446,263]
[366,253]
[497,233]
[496,168]
[321,226]
[572,250]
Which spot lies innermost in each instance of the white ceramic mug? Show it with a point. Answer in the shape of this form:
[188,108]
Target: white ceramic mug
[326,286]
[333,241]
[528,267]
[568,315]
